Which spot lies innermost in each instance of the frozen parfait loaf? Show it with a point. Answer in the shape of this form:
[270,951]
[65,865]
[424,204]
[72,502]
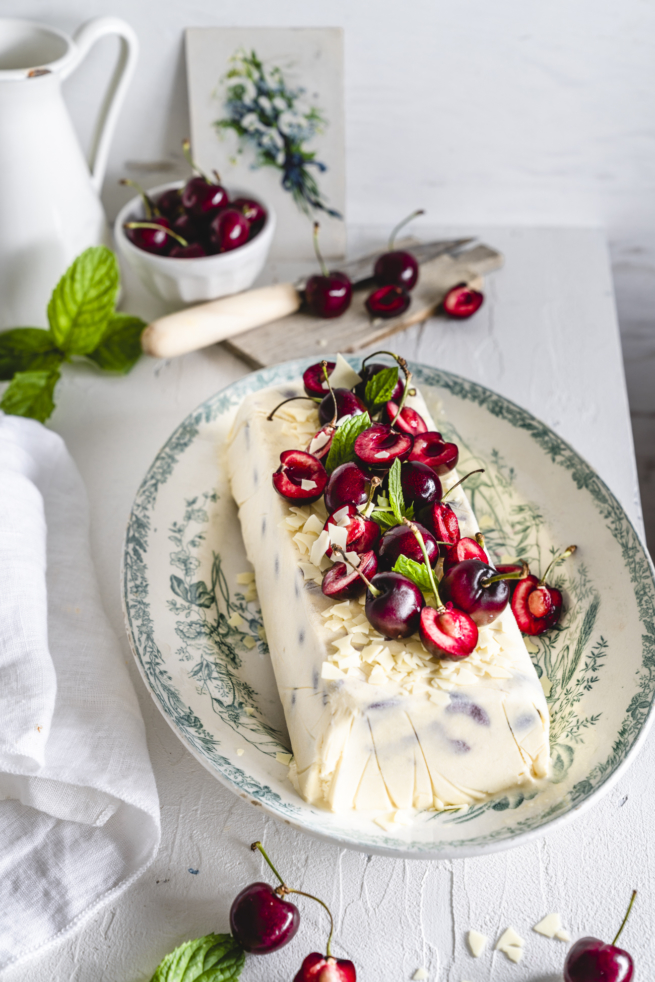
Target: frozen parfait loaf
[404,678]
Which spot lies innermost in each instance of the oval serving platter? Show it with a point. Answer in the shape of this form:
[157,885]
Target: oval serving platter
[197,634]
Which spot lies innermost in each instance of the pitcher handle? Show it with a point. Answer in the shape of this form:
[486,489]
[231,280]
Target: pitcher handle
[84,39]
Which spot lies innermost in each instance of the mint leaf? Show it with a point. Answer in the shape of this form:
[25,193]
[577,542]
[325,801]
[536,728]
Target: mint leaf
[214,958]
[416,572]
[396,499]
[343,442]
[31,394]
[120,347]
[83,301]
[385,519]
[379,389]
[25,349]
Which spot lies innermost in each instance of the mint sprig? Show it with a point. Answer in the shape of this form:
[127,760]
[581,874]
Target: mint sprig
[396,497]
[342,449]
[380,388]
[82,323]
[416,572]
[214,958]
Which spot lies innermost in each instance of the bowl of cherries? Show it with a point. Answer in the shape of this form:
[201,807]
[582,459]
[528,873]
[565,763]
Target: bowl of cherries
[195,240]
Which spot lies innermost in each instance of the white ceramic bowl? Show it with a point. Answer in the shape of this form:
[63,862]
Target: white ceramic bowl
[186,281]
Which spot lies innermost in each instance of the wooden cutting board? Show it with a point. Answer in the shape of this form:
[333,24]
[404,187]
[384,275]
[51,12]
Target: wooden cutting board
[303,335]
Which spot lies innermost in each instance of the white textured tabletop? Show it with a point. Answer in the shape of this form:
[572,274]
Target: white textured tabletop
[547,337]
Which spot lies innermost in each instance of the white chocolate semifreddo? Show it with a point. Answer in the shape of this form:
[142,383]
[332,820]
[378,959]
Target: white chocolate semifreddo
[375,725]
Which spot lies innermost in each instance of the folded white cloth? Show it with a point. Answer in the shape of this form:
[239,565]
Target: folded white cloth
[79,813]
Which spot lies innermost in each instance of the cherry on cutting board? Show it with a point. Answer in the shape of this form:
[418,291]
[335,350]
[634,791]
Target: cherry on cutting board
[261,921]
[388,301]
[348,404]
[397,267]
[431,449]
[462,301]
[420,484]
[477,589]
[228,230]
[313,379]
[537,606]
[343,582]
[379,446]
[324,968]
[591,960]
[348,485]
[367,372]
[328,294]
[298,467]
[401,541]
[362,533]
[407,421]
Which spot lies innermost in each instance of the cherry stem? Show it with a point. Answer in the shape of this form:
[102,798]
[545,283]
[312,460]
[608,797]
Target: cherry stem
[324,366]
[555,562]
[321,261]
[374,590]
[375,483]
[479,538]
[518,575]
[480,470]
[151,209]
[396,230]
[186,150]
[627,915]
[284,402]
[258,846]
[162,228]
[426,560]
[217,176]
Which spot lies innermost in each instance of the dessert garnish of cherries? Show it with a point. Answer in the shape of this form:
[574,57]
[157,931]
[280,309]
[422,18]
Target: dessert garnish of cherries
[379,470]
[196,220]
[263,921]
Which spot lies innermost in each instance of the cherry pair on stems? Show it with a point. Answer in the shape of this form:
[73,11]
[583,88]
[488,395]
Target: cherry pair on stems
[263,921]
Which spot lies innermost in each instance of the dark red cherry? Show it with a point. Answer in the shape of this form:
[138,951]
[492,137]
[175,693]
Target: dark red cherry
[379,446]
[362,534]
[590,960]
[191,251]
[396,612]
[169,203]
[388,301]
[431,449]
[472,587]
[401,541]
[154,240]
[537,607]
[189,228]
[420,484]
[461,301]
[465,548]
[261,921]
[367,372]
[204,199]
[348,485]
[313,379]
[348,404]
[448,632]
[328,296]
[409,420]
[341,582]
[228,230]
[252,211]
[442,522]
[397,268]
[324,968]
[300,477]
[321,442]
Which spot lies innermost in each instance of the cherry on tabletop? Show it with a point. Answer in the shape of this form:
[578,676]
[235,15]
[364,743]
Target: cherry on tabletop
[324,968]
[465,548]
[431,449]
[228,230]
[388,301]
[409,421]
[328,294]
[420,484]
[447,631]
[342,582]
[300,477]
[462,301]
[401,541]
[393,605]
[537,606]
[313,379]
[397,267]
[367,372]
[380,445]
[348,404]
[347,485]
[262,921]
[591,960]
[362,533]
[477,589]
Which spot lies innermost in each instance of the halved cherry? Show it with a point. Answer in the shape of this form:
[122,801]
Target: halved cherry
[447,632]
[362,534]
[343,582]
[348,404]
[442,522]
[313,379]
[388,301]
[420,484]
[536,605]
[348,485]
[367,372]
[431,449]
[380,445]
[401,541]
[409,421]
[465,548]
[462,301]
[320,443]
[300,477]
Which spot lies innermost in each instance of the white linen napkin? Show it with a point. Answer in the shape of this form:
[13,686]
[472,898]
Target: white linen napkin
[79,813]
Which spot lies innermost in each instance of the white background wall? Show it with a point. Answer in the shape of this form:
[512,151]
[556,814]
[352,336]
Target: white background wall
[512,112]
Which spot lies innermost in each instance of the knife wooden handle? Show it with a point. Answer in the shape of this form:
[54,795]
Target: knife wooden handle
[208,323]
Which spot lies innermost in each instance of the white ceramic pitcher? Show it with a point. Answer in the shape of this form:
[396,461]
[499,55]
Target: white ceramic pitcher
[49,196]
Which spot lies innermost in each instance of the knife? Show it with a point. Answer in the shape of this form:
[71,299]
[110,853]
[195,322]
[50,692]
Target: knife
[208,323]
